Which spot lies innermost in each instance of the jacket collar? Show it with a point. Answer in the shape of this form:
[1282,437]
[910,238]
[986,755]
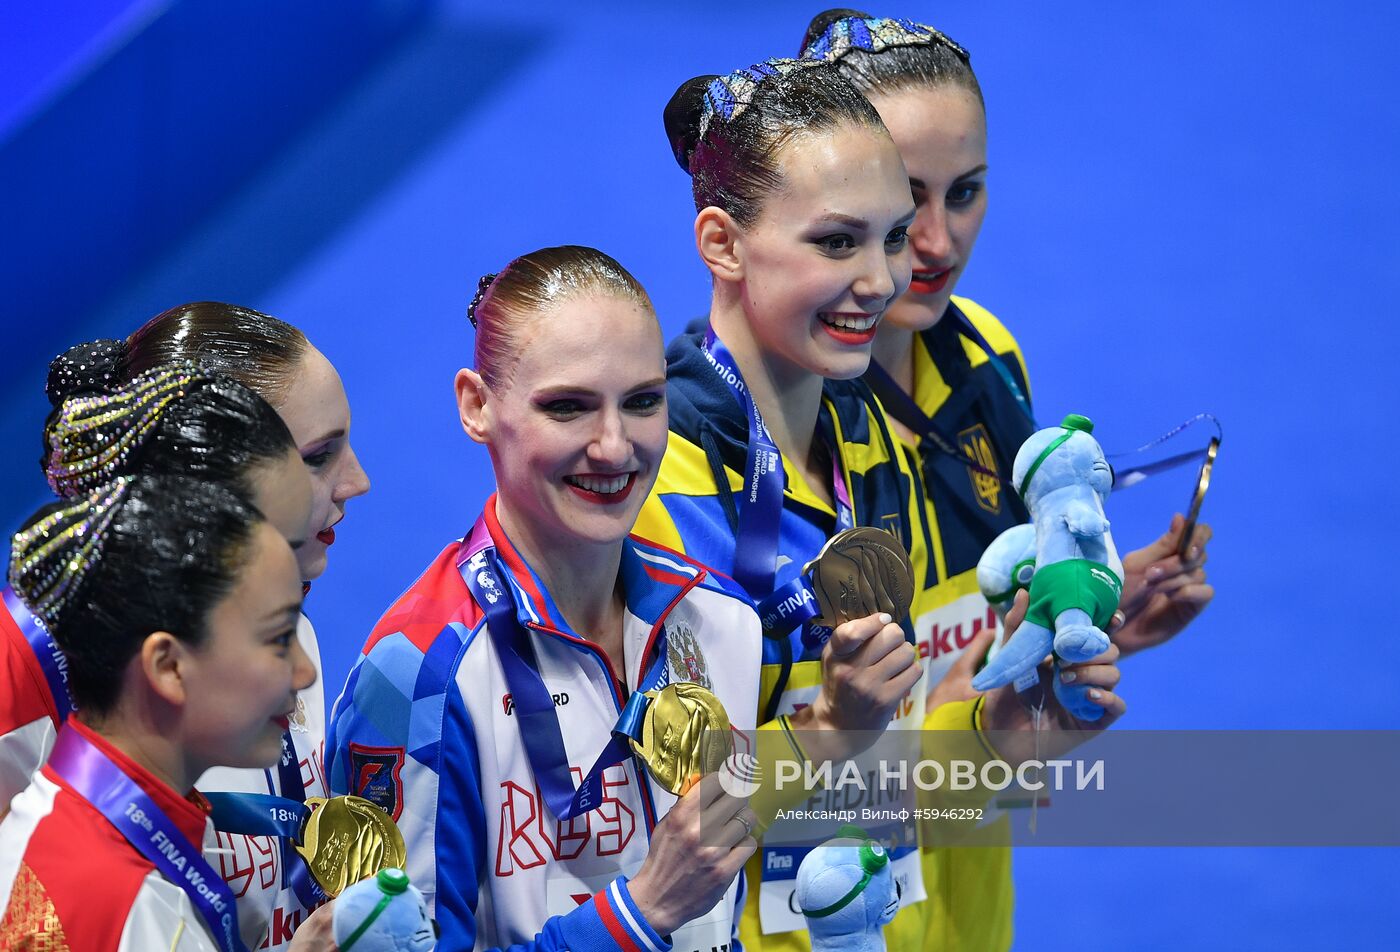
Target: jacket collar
[653,579]
[188,812]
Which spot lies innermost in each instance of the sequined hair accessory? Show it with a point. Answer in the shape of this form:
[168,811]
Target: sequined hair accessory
[50,559]
[481,287]
[874,35]
[92,437]
[726,97]
[89,366]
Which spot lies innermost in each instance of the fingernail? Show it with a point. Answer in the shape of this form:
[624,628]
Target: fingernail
[1095,694]
[1068,676]
[1194,553]
[885,619]
[1156,572]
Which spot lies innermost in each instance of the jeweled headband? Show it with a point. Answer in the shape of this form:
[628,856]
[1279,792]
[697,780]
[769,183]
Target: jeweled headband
[874,35]
[92,437]
[50,559]
[481,287]
[728,96]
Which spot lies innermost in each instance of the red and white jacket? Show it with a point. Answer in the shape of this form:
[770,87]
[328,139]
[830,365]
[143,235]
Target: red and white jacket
[268,913]
[70,880]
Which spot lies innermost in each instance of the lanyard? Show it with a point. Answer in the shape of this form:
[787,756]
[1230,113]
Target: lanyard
[760,509]
[534,705]
[907,411]
[155,836]
[260,814]
[46,652]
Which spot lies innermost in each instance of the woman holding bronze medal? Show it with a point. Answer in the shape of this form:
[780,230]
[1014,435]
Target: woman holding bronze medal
[954,382]
[276,361]
[777,447]
[777,452]
[506,703]
[175,604]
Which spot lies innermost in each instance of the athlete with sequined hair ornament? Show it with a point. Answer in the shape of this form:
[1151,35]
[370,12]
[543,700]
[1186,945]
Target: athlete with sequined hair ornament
[802,210]
[173,420]
[951,375]
[955,384]
[276,361]
[536,708]
[175,603]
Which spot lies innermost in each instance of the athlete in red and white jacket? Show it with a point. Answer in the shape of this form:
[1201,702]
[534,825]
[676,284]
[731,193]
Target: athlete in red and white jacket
[69,880]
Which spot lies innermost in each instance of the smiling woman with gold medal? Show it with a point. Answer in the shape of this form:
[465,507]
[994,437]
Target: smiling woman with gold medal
[535,709]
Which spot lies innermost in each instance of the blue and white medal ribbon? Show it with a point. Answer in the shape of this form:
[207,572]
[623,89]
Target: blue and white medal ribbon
[534,705]
[760,510]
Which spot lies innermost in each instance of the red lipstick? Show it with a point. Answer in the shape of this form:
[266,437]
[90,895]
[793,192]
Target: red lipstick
[930,282]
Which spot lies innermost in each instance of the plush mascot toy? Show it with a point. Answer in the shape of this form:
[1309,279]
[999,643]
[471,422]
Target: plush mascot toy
[1064,479]
[384,913]
[1006,567]
[846,892]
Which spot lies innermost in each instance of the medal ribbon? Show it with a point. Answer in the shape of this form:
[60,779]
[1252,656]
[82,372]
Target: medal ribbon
[155,836]
[46,652]
[761,502]
[760,510]
[534,705]
[262,814]
[1131,477]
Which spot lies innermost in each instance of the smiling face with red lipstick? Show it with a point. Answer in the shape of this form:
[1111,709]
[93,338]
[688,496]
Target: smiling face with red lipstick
[577,427]
[941,133]
[828,252]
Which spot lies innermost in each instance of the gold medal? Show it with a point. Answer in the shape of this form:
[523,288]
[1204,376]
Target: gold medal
[860,572]
[685,732]
[348,839]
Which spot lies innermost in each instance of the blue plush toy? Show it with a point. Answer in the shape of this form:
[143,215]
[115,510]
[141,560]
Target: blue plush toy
[1062,475]
[1006,567]
[846,892]
[384,913]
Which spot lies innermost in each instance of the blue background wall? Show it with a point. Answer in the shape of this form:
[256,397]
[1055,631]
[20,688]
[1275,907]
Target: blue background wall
[1202,195]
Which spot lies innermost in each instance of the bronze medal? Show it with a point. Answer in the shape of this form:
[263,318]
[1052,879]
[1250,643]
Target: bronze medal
[685,732]
[859,572]
[347,839]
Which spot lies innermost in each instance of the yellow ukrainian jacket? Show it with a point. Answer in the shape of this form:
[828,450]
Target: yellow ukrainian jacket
[686,512]
[970,887]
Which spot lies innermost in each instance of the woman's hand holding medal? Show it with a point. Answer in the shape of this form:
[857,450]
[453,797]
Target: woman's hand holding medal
[1162,592]
[867,668]
[696,850]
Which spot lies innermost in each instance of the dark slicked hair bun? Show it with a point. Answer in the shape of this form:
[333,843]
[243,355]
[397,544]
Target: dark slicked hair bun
[91,368]
[682,117]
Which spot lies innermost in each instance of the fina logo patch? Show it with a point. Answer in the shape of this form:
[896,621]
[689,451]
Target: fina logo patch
[375,775]
[976,443]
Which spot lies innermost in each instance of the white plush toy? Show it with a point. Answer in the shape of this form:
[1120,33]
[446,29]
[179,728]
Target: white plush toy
[846,893]
[384,913]
[1063,477]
